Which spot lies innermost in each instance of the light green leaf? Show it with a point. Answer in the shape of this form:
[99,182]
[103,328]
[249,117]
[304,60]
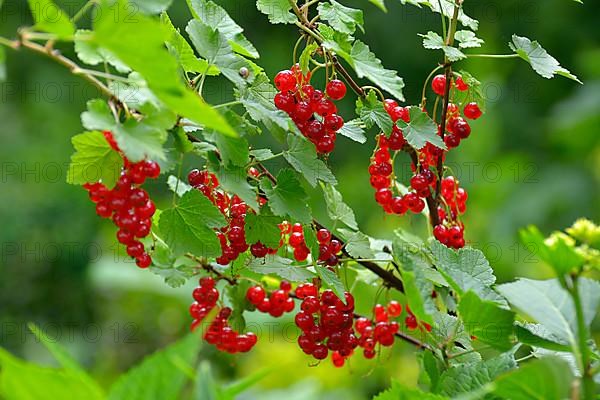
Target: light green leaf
[151,7]
[536,335]
[174,276]
[557,251]
[332,281]
[139,45]
[305,57]
[420,130]
[468,39]
[447,9]
[357,244]
[340,17]
[484,319]
[161,375]
[379,4]
[336,208]
[50,18]
[282,267]
[263,228]
[434,41]
[541,62]
[94,160]
[367,65]
[287,198]
[178,186]
[353,130]
[371,112]
[233,180]
[400,392]
[216,17]
[261,154]
[215,48]
[303,157]
[278,11]
[233,150]
[189,226]
[90,53]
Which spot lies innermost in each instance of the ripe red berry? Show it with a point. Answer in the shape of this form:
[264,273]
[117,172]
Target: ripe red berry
[461,85]
[438,84]
[323,236]
[144,260]
[394,308]
[255,295]
[336,89]
[285,80]
[472,111]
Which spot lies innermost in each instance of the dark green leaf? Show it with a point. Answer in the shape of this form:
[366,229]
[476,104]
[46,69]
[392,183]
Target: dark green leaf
[94,160]
[332,281]
[303,157]
[189,226]
[371,112]
[341,18]
[357,244]
[263,228]
[420,130]
[282,267]
[353,130]
[287,198]
[337,209]
[400,392]
[536,335]
[233,180]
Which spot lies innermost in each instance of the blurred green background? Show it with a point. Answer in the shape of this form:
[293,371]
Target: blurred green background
[534,158]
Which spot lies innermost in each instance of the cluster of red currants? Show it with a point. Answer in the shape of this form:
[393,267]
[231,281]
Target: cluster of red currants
[276,304]
[413,323]
[457,128]
[313,111]
[326,324]
[451,231]
[219,333]
[384,330]
[129,205]
[328,248]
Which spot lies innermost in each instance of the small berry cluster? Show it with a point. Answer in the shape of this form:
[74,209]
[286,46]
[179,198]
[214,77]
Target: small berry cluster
[313,111]
[296,241]
[276,304]
[412,323]
[457,127]
[219,333]
[329,248]
[384,330]
[129,205]
[451,231]
[326,324]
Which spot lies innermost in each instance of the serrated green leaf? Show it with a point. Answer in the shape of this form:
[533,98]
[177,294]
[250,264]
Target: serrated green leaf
[379,4]
[234,151]
[332,281]
[278,11]
[151,7]
[539,59]
[303,157]
[337,209]
[233,180]
[464,378]
[434,41]
[305,57]
[353,130]
[420,130]
[261,154]
[371,112]
[357,244]
[184,52]
[447,9]
[282,267]
[216,17]
[189,226]
[400,392]
[340,17]
[548,378]
[263,228]
[310,238]
[94,160]
[50,18]
[90,53]
[491,324]
[178,186]
[174,276]
[536,335]
[287,198]
[161,375]
[139,45]
[468,39]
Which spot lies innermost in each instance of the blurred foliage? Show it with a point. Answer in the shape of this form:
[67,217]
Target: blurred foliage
[534,158]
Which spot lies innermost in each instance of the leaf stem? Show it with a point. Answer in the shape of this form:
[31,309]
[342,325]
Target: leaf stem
[228,104]
[514,55]
[79,14]
[587,378]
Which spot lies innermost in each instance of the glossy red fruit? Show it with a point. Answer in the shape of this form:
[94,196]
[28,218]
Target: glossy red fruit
[285,80]
[394,308]
[144,261]
[438,84]
[336,89]
[285,102]
[460,84]
[472,111]
[255,295]
[323,236]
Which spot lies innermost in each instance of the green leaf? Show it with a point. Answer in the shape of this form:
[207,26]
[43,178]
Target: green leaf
[536,335]
[447,9]
[468,39]
[184,52]
[174,276]
[357,244]
[178,186]
[379,4]
[263,228]
[282,267]
[236,296]
[353,130]
[420,130]
[258,101]
[189,226]
[141,139]
[371,112]
[549,378]
[400,392]
[50,18]
[557,251]
[464,378]
[305,57]
[332,281]
[215,48]
[310,238]
[233,180]
[2,64]
[491,324]
[233,150]
[151,7]
[287,198]
[90,53]
[303,157]
[341,18]
[434,41]
[465,269]
[262,154]
[94,160]
[216,17]
[139,45]
[231,391]
[541,62]
[278,11]
[336,208]
[24,381]
[205,387]
[161,375]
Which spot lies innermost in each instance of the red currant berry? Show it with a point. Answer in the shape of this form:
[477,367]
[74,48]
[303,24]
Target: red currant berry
[285,80]
[438,84]
[336,89]
[461,85]
[472,111]
[144,260]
